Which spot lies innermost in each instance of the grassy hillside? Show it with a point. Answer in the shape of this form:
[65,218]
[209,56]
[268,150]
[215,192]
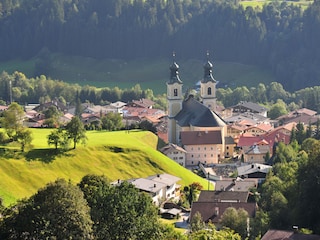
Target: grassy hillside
[117,155]
[152,74]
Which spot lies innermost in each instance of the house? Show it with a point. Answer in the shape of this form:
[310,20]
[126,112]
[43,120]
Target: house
[160,186]
[255,153]
[223,196]
[212,211]
[202,146]
[249,117]
[254,170]
[141,103]
[236,184]
[290,235]
[156,190]
[59,105]
[302,115]
[176,153]
[172,188]
[259,129]
[118,106]
[250,107]
[229,147]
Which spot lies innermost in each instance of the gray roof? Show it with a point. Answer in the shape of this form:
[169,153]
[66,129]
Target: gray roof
[241,185]
[223,196]
[253,106]
[194,113]
[148,185]
[229,140]
[164,178]
[252,168]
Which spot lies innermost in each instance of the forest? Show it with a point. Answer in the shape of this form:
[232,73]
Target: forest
[281,37]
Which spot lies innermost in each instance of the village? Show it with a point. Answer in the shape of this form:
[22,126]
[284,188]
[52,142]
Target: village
[232,147]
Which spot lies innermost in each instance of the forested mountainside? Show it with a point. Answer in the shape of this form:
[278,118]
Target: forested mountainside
[281,36]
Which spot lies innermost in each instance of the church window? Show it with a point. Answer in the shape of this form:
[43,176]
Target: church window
[209,91]
[175,92]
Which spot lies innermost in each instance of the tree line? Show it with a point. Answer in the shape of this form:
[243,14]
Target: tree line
[18,88]
[280,36]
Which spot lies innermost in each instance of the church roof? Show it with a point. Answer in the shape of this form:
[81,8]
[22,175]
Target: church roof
[196,114]
[201,137]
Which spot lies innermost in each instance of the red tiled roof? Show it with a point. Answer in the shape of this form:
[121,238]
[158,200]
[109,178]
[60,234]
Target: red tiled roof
[290,235]
[249,140]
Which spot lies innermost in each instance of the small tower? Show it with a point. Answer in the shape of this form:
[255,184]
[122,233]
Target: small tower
[208,86]
[175,98]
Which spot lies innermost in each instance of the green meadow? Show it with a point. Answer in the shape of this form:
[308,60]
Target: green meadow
[117,155]
[150,74]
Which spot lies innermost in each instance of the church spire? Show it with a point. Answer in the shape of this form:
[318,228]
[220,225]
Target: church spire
[208,71]
[174,71]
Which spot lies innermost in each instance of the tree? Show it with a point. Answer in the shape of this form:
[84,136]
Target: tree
[197,223]
[236,220]
[120,212]
[24,137]
[278,109]
[51,114]
[76,131]
[211,233]
[57,138]
[12,120]
[57,211]
[112,121]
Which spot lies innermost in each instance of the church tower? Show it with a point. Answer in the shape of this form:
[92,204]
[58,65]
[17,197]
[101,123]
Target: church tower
[174,98]
[208,86]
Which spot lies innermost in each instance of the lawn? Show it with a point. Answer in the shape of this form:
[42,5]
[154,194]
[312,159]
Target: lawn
[117,155]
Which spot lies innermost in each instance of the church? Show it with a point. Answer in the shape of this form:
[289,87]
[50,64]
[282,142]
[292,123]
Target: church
[194,125]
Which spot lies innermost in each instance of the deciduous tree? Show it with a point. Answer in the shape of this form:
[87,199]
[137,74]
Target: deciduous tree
[76,131]
[58,211]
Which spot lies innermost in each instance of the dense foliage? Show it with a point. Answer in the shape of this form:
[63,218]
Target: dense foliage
[94,209]
[42,89]
[58,211]
[290,194]
[281,36]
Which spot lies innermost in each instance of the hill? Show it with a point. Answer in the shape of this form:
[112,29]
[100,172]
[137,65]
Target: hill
[149,73]
[117,155]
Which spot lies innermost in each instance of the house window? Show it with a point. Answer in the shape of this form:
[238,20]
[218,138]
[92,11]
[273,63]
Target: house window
[227,147]
[205,148]
[192,155]
[211,155]
[209,91]
[198,148]
[175,92]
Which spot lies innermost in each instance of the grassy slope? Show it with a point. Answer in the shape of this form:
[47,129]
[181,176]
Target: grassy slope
[136,157]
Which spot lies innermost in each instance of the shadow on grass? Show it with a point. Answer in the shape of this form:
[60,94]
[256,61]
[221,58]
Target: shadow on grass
[47,155]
